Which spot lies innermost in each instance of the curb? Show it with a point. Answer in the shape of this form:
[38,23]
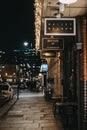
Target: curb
[5,109]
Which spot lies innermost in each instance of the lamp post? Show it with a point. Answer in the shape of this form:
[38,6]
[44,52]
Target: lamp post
[18,82]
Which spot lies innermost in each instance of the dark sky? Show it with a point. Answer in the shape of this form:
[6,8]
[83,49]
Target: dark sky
[16,23]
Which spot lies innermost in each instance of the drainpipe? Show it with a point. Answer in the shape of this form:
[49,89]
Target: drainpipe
[78,48]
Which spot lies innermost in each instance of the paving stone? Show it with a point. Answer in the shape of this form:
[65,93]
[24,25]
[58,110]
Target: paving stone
[15,113]
[27,128]
[48,125]
[7,128]
[53,128]
[41,121]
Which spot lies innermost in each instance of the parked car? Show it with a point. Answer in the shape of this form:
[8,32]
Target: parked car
[2,99]
[6,90]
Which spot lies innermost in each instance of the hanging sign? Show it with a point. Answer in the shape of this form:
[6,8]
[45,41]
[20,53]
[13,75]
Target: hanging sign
[60,26]
[52,44]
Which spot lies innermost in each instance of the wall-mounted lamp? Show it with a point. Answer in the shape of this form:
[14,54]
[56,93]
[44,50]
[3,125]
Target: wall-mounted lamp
[60,10]
[78,46]
[67,1]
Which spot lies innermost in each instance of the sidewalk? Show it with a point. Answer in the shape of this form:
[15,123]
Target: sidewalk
[30,113]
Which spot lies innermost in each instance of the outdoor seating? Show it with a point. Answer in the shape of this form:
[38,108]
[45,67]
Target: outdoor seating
[56,99]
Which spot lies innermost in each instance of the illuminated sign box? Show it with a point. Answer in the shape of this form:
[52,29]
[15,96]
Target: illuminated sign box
[53,44]
[44,67]
[60,26]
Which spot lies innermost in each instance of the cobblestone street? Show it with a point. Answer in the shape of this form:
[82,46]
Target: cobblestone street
[30,113]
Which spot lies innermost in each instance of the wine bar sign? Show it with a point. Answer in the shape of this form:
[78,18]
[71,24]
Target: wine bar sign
[53,44]
[60,26]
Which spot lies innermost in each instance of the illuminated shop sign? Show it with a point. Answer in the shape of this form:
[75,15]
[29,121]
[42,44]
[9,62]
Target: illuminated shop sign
[60,26]
[53,44]
[44,67]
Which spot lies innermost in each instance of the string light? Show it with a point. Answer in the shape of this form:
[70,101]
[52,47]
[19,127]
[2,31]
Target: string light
[37,6]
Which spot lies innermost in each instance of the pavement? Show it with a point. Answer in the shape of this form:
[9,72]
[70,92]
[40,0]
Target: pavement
[29,113]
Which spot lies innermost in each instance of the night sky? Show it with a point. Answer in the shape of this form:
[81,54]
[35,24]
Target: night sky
[16,23]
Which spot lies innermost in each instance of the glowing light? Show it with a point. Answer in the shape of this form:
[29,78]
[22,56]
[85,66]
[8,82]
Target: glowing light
[25,43]
[67,1]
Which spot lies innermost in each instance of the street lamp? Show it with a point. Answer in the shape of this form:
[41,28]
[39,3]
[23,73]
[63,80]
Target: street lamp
[25,44]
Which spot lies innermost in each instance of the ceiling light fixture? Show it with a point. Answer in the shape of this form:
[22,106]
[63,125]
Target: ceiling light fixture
[67,1]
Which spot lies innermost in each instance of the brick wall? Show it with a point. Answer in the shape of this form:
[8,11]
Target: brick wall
[83,87]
